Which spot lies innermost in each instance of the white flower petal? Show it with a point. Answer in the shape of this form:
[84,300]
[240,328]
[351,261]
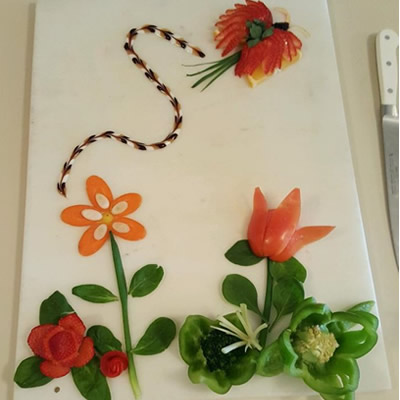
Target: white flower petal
[233,346]
[91,215]
[100,232]
[119,207]
[102,201]
[120,227]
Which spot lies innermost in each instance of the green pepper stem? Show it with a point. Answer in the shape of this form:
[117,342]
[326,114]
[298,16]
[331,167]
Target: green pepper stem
[123,296]
[267,304]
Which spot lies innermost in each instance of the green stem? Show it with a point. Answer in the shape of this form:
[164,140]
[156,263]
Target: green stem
[217,68]
[123,295]
[267,304]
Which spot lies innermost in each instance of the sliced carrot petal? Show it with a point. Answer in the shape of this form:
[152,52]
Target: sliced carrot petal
[88,245]
[283,224]
[132,200]
[129,229]
[300,238]
[258,223]
[97,188]
[73,215]
[53,370]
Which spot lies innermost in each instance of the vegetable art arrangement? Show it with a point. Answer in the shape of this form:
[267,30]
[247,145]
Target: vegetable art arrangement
[318,345]
[58,343]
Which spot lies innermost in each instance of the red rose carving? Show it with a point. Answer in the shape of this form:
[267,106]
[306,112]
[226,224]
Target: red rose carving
[113,363]
[61,346]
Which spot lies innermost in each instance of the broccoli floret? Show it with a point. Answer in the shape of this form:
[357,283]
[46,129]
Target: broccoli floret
[212,346]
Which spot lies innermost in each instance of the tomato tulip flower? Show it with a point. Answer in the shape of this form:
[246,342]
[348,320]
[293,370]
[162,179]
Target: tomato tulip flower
[274,233]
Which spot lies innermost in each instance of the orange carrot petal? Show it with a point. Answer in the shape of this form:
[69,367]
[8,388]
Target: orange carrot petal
[300,238]
[258,223]
[73,215]
[98,192]
[128,229]
[88,244]
[283,224]
[132,202]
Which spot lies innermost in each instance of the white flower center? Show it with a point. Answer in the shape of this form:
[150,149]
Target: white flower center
[247,338]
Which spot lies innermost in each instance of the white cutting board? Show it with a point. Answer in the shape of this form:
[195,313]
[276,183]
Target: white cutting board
[197,194]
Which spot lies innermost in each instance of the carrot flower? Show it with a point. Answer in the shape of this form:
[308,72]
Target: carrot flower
[274,233]
[106,218]
[105,214]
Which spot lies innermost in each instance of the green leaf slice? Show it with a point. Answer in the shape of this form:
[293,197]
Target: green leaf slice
[237,290]
[28,373]
[287,294]
[241,254]
[291,268]
[145,280]
[53,308]
[94,293]
[91,383]
[157,338]
[103,339]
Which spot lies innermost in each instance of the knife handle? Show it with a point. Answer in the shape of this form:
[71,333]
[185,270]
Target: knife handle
[387,42]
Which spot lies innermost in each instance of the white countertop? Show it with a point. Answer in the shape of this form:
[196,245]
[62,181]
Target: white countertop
[354,23]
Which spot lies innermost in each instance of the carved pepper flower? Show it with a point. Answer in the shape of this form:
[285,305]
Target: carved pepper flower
[214,356]
[273,233]
[321,347]
[61,346]
[113,363]
[105,215]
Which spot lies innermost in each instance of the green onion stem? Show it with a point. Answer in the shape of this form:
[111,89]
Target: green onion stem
[123,295]
[267,304]
[217,68]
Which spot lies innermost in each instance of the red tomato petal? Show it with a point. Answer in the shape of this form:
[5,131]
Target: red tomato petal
[258,223]
[282,224]
[45,342]
[35,339]
[53,370]
[64,347]
[300,238]
[74,323]
[232,24]
[86,352]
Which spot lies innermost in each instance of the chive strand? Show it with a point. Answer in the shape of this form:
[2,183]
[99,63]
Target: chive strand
[123,294]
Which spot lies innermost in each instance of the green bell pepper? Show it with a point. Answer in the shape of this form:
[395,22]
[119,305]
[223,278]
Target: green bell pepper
[200,347]
[321,348]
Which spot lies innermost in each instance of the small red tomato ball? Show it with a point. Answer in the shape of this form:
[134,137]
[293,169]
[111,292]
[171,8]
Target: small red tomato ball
[113,363]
